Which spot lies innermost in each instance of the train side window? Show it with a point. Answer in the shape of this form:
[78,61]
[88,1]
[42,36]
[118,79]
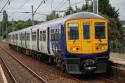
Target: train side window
[52,30]
[16,36]
[57,35]
[73,31]
[52,34]
[33,36]
[13,36]
[86,31]
[20,36]
[27,36]
[41,36]
[44,35]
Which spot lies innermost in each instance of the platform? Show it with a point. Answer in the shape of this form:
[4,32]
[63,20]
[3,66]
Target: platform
[117,58]
[2,76]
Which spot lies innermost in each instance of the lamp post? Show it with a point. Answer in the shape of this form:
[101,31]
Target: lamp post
[95,6]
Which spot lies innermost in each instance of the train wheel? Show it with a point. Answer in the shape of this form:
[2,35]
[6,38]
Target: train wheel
[49,60]
[63,67]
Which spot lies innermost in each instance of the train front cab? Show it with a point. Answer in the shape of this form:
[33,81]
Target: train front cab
[87,45]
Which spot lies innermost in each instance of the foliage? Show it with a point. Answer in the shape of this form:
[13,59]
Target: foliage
[52,15]
[77,9]
[19,25]
[23,24]
[4,24]
[69,11]
[106,9]
[117,46]
[87,7]
[112,14]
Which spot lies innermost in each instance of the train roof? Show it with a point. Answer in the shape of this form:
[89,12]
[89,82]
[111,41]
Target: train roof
[84,15]
[79,15]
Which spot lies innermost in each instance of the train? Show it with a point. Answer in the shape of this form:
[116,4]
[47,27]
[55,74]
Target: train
[77,43]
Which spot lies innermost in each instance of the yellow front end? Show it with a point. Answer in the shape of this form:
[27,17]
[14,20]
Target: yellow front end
[86,36]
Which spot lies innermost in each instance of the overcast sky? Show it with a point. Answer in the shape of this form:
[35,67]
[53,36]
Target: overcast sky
[17,6]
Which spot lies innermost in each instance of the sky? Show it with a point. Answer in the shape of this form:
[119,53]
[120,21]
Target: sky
[119,4]
[16,8]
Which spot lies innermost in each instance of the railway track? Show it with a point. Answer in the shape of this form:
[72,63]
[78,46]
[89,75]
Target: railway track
[48,75]
[10,74]
[66,78]
[24,74]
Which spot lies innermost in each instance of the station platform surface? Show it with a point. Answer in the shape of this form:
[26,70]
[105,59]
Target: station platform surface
[2,76]
[118,58]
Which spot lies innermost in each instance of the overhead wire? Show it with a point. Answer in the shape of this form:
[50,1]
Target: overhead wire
[7,6]
[8,2]
[80,2]
[62,5]
[43,1]
[52,4]
[58,5]
[20,7]
[2,1]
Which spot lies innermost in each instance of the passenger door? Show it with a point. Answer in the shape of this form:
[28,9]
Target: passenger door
[87,36]
[73,38]
[100,42]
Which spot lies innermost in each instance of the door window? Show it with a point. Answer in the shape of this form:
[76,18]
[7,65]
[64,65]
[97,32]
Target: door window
[86,31]
[73,33]
[99,30]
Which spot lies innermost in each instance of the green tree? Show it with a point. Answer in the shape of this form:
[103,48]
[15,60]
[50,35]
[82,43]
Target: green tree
[19,25]
[4,24]
[77,9]
[52,15]
[28,22]
[106,8]
[69,11]
[23,24]
[112,14]
[87,6]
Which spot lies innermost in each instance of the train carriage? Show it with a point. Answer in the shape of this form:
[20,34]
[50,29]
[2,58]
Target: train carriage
[78,42]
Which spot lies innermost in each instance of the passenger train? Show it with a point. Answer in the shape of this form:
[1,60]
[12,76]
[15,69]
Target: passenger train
[78,43]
